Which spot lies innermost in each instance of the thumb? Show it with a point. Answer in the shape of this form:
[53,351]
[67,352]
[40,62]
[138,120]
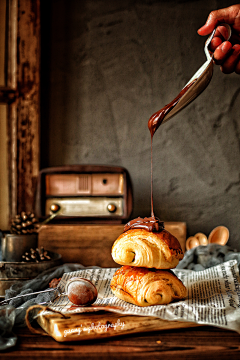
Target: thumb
[214,18]
[207,28]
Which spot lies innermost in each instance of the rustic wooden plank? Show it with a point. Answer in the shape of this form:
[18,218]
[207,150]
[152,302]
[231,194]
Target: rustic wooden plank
[7,95]
[4,196]
[22,92]
[28,107]
[91,244]
[85,244]
[192,343]
[2,41]
[11,80]
[12,159]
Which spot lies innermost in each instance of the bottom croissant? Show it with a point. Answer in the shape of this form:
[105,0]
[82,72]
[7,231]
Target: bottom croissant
[145,287]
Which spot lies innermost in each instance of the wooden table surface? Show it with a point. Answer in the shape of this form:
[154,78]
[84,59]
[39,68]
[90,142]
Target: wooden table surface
[192,343]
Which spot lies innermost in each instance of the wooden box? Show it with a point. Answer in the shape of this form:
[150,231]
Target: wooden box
[90,244]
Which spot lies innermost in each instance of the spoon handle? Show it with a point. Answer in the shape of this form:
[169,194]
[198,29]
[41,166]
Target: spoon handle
[229,30]
[5,302]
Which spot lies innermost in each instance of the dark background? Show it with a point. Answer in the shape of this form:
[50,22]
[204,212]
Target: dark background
[107,66]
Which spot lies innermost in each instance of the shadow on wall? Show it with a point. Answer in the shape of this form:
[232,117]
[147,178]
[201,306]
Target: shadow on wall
[106,68]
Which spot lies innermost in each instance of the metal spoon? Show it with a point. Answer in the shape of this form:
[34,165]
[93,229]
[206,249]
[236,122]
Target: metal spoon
[201,78]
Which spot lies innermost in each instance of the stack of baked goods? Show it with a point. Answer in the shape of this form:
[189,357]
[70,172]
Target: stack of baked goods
[147,252]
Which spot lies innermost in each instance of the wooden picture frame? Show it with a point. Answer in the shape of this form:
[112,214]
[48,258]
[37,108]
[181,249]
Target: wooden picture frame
[22,95]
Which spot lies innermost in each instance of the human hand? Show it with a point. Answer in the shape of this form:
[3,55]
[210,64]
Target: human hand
[226,53]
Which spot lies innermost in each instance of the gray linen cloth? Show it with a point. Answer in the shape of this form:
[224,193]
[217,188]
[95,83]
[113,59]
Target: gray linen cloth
[204,257]
[13,315]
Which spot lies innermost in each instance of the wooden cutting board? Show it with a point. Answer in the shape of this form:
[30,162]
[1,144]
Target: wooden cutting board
[77,327]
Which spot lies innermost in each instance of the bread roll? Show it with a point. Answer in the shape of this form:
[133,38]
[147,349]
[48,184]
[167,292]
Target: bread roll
[145,287]
[139,247]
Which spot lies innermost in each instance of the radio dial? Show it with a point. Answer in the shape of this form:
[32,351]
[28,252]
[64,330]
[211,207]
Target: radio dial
[111,208]
[54,208]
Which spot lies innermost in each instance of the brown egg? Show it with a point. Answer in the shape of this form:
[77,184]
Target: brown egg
[81,291]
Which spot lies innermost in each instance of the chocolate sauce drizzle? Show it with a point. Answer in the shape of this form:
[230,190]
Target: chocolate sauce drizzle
[157,118]
[153,224]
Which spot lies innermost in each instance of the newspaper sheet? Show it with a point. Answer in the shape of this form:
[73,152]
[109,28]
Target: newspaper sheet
[213,296]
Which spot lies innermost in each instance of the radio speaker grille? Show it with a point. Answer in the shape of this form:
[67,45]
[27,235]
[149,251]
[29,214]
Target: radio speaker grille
[84,184]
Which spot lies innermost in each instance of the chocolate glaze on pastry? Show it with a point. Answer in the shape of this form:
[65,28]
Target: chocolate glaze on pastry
[148,223]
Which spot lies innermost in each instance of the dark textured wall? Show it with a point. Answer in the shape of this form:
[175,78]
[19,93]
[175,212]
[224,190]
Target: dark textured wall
[107,66]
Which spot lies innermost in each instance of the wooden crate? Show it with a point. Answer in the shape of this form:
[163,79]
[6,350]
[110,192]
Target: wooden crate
[91,244]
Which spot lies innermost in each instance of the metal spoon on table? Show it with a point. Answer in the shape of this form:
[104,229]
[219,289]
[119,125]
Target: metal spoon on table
[201,78]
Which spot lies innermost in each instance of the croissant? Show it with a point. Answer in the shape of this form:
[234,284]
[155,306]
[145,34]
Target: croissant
[139,247]
[145,287]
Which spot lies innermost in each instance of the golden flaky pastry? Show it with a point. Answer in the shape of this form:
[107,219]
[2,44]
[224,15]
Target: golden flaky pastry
[139,247]
[145,287]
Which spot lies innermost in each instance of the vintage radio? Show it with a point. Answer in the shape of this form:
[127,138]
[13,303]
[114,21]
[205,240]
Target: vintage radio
[84,192]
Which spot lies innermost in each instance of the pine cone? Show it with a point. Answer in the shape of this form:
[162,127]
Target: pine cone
[25,223]
[36,255]
[54,282]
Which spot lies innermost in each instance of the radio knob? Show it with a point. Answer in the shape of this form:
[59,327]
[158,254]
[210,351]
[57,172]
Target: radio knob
[111,208]
[54,208]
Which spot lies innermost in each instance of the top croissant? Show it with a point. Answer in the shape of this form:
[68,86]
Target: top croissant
[141,248]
